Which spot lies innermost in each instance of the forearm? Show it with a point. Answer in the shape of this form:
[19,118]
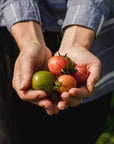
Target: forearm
[27,32]
[77,36]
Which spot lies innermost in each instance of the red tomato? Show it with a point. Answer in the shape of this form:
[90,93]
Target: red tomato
[56,64]
[43,80]
[81,74]
[65,83]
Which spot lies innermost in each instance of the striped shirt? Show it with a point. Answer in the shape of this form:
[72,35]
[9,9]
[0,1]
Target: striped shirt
[55,15]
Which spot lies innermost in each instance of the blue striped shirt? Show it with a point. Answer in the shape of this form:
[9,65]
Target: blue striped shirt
[55,15]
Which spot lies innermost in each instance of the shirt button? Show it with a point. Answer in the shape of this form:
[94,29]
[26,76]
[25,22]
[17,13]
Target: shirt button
[60,21]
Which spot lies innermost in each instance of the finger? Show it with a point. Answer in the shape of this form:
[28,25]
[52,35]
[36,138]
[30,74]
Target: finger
[29,95]
[62,105]
[16,81]
[26,73]
[71,100]
[94,76]
[74,102]
[47,105]
[91,81]
[43,103]
[81,92]
[22,74]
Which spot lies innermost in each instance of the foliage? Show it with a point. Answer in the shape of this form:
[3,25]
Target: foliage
[107,137]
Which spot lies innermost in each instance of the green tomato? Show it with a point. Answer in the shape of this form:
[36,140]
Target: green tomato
[43,80]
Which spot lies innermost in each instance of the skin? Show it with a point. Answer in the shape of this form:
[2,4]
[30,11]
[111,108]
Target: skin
[80,40]
[34,55]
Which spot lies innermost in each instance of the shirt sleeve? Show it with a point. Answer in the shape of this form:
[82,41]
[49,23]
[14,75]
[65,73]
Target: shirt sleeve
[88,13]
[13,11]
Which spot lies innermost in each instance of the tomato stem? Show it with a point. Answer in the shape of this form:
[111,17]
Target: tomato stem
[64,71]
[57,85]
[61,55]
[73,69]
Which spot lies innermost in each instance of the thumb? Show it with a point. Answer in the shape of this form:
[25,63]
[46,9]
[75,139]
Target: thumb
[92,80]
[26,74]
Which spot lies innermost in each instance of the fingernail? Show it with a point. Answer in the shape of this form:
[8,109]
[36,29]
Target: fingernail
[65,94]
[61,106]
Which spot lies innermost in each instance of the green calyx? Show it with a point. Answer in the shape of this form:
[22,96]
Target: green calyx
[71,66]
[62,55]
[73,70]
[64,71]
[57,85]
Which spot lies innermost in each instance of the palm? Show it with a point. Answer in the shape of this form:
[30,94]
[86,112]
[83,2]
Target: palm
[81,56]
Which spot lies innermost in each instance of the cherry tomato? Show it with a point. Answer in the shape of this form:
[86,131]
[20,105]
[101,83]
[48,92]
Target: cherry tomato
[65,83]
[43,80]
[81,74]
[56,64]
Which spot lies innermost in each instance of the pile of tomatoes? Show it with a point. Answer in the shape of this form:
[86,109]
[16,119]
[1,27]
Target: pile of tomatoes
[61,76]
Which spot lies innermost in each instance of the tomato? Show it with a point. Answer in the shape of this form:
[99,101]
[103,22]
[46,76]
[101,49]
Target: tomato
[43,80]
[65,83]
[56,64]
[81,74]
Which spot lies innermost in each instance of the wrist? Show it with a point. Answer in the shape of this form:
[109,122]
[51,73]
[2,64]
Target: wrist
[77,36]
[27,32]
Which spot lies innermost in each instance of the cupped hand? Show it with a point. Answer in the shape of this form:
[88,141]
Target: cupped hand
[32,57]
[80,56]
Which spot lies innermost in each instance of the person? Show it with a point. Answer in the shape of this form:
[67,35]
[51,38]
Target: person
[37,30]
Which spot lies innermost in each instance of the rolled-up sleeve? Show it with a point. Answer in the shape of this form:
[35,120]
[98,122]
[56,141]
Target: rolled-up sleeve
[13,11]
[88,13]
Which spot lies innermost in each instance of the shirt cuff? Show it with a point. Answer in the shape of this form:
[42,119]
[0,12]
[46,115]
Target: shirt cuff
[18,11]
[85,15]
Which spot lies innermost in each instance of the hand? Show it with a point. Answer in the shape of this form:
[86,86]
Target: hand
[33,56]
[76,43]
[81,56]
[31,59]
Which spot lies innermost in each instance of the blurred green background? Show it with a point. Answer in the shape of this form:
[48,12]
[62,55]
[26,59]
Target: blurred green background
[107,137]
